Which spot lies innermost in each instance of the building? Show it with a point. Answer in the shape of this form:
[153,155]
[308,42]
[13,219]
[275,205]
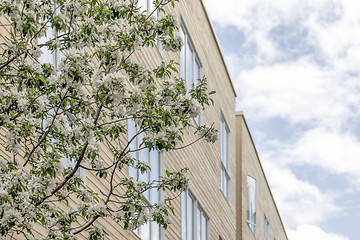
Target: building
[206,210]
[226,178]
[211,192]
[257,214]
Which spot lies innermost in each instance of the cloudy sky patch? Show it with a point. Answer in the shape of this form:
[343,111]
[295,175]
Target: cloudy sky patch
[295,67]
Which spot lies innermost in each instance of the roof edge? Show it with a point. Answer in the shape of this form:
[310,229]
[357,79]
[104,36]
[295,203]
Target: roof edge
[218,46]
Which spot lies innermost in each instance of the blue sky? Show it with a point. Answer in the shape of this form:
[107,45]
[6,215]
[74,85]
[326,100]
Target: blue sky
[295,65]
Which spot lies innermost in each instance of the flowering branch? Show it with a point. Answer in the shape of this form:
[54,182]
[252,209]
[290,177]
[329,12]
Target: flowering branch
[70,86]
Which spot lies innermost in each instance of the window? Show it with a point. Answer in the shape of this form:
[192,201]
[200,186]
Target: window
[225,159]
[158,41]
[190,67]
[150,230]
[146,5]
[194,221]
[47,56]
[266,228]
[53,58]
[251,203]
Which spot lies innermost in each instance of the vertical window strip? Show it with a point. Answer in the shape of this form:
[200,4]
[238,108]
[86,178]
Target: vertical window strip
[183,54]
[148,5]
[158,42]
[197,72]
[132,146]
[47,56]
[190,217]
[53,58]
[190,65]
[198,223]
[183,215]
[204,227]
[224,155]
[150,230]
[194,221]
[251,203]
[143,4]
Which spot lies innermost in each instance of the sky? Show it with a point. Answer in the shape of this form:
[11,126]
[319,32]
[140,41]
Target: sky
[295,65]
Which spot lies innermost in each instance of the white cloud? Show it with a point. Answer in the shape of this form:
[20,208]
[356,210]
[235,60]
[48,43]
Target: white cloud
[299,202]
[336,152]
[311,232]
[300,62]
[306,71]
[300,92]
[256,18]
[336,38]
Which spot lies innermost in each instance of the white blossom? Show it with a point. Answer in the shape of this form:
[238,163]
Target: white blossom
[96,210]
[73,106]
[195,107]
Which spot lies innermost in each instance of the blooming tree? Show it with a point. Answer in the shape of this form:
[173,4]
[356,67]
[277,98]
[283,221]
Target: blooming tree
[71,108]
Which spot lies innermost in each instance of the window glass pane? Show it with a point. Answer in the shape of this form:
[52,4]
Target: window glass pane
[145,231]
[252,227]
[197,119]
[225,185]
[183,215]
[251,200]
[224,147]
[194,222]
[59,55]
[155,173]
[198,223]
[151,6]
[155,231]
[225,142]
[150,230]
[144,157]
[203,227]
[182,55]
[196,82]
[228,186]
[196,73]
[221,140]
[132,146]
[190,218]
[47,56]
[82,172]
[189,65]
[159,46]
[142,4]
